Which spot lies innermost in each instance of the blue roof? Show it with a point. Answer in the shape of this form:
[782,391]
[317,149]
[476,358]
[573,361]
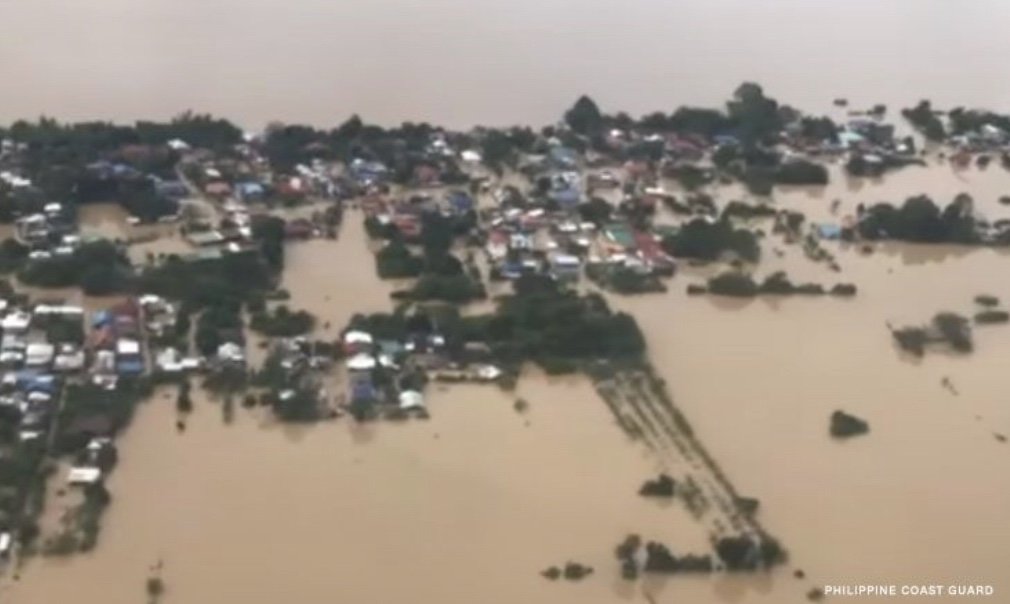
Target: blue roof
[563,155]
[566,196]
[250,187]
[460,201]
[829,231]
[362,391]
[131,367]
[100,318]
[45,382]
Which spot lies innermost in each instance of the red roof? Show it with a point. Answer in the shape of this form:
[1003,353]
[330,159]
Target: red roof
[648,246]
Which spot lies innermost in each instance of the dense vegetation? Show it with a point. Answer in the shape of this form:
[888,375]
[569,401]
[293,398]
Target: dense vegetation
[395,261]
[946,328]
[925,120]
[58,158]
[919,219]
[282,322]
[541,322]
[99,268]
[91,410]
[705,240]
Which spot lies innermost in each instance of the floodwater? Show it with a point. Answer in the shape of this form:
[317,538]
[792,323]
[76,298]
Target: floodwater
[473,503]
[468,506]
[460,63]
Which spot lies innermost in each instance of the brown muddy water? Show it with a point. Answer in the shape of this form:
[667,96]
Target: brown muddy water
[472,504]
[460,63]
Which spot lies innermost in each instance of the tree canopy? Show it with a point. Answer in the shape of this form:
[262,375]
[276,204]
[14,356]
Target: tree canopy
[919,219]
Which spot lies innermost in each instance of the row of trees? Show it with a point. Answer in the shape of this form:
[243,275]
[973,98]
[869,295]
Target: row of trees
[739,284]
[919,219]
[749,115]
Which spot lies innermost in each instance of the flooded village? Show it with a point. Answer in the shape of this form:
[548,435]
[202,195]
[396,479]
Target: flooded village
[728,354]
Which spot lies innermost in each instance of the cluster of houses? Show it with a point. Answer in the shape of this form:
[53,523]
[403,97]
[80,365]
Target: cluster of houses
[44,338]
[560,243]
[115,340]
[49,232]
[302,364]
[159,318]
[404,359]
[406,214]
[248,178]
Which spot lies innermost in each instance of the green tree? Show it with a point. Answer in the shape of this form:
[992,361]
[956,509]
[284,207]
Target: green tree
[584,116]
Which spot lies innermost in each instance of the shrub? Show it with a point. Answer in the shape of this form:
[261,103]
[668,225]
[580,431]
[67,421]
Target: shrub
[662,486]
[395,261]
[844,425]
[283,323]
[955,329]
[801,172]
[992,316]
[843,289]
[733,283]
[448,288]
[986,300]
[777,283]
[557,365]
[911,339]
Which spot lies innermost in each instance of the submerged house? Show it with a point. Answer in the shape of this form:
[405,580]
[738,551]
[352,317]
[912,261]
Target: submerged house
[620,235]
[172,189]
[250,192]
[652,254]
[565,190]
[368,173]
[129,360]
[562,157]
[460,202]
[565,267]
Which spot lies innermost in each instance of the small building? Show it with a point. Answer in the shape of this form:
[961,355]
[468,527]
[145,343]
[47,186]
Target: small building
[16,322]
[126,347]
[217,188]
[565,266]
[39,354]
[69,358]
[460,202]
[230,352]
[356,341]
[172,189]
[250,192]
[361,362]
[84,475]
[411,399]
[204,238]
[651,252]
[497,245]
